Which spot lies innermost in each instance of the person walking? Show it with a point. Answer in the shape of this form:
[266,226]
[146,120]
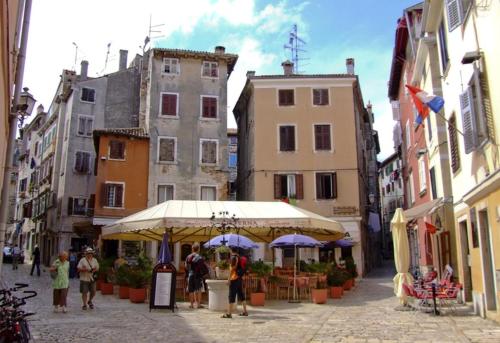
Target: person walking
[60,284]
[87,267]
[16,256]
[35,256]
[236,272]
[73,262]
[196,269]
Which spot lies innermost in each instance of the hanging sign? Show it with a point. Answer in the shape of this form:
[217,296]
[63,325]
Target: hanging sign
[163,283]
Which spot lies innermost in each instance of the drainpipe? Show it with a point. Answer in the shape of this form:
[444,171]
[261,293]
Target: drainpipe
[4,203]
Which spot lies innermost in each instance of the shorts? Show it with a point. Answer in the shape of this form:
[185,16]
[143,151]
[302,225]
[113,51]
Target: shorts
[236,289]
[195,284]
[87,286]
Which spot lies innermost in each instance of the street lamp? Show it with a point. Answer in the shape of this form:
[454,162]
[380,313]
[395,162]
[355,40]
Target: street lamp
[25,106]
[224,223]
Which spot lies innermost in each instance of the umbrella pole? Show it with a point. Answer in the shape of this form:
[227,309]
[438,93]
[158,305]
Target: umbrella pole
[294,275]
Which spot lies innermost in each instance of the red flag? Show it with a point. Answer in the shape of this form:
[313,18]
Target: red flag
[430,228]
[422,108]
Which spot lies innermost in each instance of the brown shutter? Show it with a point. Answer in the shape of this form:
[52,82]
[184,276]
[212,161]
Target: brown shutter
[291,138]
[282,138]
[277,186]
[104,195]
[317,137]
[334,185]
[91,203]
[455,156]
[299,186]
[70,206]
[316,97]
[214,107]
[205,108]
[119,196]
[281,97]
[319,189]
[164,104]
[172,104]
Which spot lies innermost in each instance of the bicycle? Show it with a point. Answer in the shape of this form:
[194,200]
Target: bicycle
[13,324]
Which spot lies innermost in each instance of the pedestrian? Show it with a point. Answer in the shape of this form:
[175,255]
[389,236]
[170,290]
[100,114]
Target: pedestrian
[35,257]
[196,269]
[73,262]
[237,270]
[60,284]
[88,267]
[16,256]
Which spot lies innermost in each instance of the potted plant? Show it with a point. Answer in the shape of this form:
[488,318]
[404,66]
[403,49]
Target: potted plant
[319,294]
[139,278]
[336,278]
[262,271]
[122,281]
[222,270]
[105,275]
[351,269]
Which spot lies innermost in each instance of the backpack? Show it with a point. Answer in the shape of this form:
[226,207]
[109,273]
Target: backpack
[242,266]
[197,266]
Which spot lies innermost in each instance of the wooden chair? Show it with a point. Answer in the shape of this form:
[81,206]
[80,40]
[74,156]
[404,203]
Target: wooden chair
[281,284]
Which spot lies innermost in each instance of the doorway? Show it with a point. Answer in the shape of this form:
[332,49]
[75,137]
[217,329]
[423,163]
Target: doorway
[487,261]
[466,258]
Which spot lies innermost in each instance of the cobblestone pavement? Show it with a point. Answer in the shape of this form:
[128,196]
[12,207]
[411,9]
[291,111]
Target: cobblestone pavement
[365,314]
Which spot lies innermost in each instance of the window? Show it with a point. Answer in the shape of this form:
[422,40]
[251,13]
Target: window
[210,69]
[407,134]
[84,127]
[286,97]
[165,193]
[36,149]
[429,127]
[411,189]
[208,193]
[233,160]
[443,49]
[116,150]
[77,206]
[23,184]
[167,149]
[455,154]
[457,11]
[171,66]
[112,194]
[208,107]
[233,140]
[209,151]
[169,104]
[287,138]
[320,97]
[422,176]
[88,95]
[326,185]
[82,162]
[288,186]
[322,138]
[432,174]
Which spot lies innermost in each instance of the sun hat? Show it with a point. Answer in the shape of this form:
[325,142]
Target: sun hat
[89,251]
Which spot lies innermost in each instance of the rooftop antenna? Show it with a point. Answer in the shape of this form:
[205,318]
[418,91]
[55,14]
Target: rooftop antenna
[152,32]
[76,54]
[295,44]
[106,61]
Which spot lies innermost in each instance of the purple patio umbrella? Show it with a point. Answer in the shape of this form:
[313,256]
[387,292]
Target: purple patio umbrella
[165,256]
[295,241]
[231,240]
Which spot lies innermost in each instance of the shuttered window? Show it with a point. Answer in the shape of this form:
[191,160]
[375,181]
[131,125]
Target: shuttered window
[322,139]
[432,174]
[287,138]
[288,186]
[454,152]
[286,97]
[82,162]
[210,69]
[208,193]
[454,13]
[326,185]
[209,151]
[165,193]
[88,95]
[112,195]
[166,149]
[208,107]
[85,124]
[169,104]
[443,48]
[320,97]
[117,150]
[171,66]
[468,121]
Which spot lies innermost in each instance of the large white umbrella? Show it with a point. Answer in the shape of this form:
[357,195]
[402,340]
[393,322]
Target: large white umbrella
[401,254]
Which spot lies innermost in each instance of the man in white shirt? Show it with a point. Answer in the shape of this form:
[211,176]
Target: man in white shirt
[88,267]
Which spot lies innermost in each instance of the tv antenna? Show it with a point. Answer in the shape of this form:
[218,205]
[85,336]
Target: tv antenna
[76,54]
[152,31]
[106,61]
[295,45]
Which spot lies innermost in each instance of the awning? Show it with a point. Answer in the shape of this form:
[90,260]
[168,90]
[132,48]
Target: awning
[104,220]
[423,210]
[191,221]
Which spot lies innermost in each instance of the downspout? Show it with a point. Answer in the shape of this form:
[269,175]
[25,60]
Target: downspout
[4,206]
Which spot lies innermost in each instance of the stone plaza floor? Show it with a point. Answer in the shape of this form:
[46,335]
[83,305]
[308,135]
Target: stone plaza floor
[365,314]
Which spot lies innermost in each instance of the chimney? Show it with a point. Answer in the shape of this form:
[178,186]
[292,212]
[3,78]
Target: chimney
[349,62]
[39,109]
[250,73]
[84,70]
[369,107]
[287,67]
[123,59]
[220,49]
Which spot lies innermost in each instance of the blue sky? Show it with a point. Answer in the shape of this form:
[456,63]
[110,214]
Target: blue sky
[254,29]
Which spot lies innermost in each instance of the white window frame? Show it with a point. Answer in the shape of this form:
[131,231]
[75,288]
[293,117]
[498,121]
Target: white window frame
[169,59]
[123,194]
[407,135]
[164,184]
[210,77]
[294,89]
[312,96]
[87,117]
[90,162]
[295,135]
[412,188]
[291,187]
[165,116]
[73,206]
[211,186]
[216,151]
[422,175]
[158,150]
[81,95]
[314,138]
[217,118]
[315,185]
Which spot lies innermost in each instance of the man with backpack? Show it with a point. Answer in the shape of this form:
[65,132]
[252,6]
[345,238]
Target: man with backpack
[196,269]
[238,268]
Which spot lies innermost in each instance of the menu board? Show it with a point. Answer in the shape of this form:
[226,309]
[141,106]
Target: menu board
[163,286]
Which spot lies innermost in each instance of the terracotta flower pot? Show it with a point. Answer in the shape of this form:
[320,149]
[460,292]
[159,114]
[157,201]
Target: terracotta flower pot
[123,292]
[98,285]
[319,296]
[137,295]
[106,288]
[257,299]
[336,292]
[347,285]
